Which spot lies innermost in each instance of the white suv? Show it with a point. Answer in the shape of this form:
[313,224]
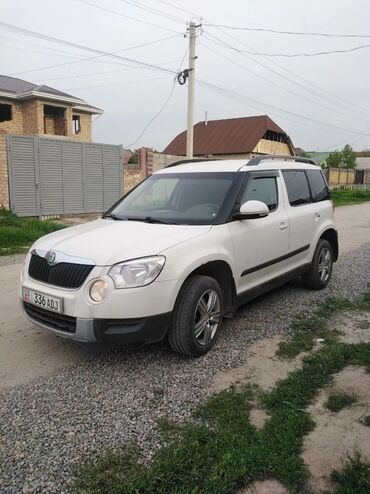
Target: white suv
[182,250]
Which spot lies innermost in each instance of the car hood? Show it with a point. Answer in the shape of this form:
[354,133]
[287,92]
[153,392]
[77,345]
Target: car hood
[107,241]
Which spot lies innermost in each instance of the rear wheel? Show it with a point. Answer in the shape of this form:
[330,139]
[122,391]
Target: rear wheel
[197,317]
[322,265]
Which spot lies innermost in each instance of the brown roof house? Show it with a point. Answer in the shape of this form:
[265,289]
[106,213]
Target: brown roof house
[234,138]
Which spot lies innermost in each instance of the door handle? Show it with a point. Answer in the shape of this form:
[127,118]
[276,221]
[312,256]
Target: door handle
[283,226]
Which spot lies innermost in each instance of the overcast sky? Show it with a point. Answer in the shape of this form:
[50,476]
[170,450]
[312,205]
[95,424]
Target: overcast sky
[337,84]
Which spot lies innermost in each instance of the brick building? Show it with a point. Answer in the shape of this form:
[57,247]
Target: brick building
[28,109]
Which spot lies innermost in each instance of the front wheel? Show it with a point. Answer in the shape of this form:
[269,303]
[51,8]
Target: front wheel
[197,317]
[322,265]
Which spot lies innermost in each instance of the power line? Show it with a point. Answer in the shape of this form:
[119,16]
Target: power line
[178,8]
[76,45]
[284,88]
[315,54]
[162,107]
[103,72]
[295,33]
[78,57]
[114,84]
[285,77]
[226,92]
[154,11]
[351,106]
[55,51]
[115,12]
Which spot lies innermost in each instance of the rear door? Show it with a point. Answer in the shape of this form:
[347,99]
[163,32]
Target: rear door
[260,244]
[301,213]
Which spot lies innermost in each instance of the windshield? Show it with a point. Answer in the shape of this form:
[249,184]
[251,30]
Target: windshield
[183,198]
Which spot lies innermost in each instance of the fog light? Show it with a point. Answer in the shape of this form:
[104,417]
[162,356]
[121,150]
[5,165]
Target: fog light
[99,290]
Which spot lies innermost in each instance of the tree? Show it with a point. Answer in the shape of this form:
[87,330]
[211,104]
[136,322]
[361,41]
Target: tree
[135,157]
[334,160]
[345,158]
[348,157]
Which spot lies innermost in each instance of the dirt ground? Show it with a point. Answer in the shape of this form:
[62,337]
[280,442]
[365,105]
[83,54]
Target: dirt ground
[336,436]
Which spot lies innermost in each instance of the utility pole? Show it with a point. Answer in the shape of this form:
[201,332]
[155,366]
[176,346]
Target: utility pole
[191,87]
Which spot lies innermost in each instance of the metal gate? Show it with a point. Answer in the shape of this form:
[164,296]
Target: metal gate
[54,176]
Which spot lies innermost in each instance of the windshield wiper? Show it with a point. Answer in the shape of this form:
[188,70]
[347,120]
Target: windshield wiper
[113,216]
[150,219]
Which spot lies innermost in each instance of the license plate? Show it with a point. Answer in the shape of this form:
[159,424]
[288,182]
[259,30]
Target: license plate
[47,302]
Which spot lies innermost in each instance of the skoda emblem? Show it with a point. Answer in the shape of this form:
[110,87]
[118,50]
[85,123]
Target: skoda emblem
[51,257]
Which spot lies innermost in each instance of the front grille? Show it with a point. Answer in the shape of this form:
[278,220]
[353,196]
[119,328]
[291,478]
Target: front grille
[53,319]
[63,274]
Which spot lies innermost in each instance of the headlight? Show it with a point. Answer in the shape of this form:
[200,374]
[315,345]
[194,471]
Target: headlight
[138,272]
[98,290]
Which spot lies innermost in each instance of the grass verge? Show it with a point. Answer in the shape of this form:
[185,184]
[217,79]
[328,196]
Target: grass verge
[354,478]
[345,197]
[338,401]
[307,329]
[17,234]
[221,451]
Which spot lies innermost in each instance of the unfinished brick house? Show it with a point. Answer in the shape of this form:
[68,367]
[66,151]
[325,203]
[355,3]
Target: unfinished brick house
[28,109]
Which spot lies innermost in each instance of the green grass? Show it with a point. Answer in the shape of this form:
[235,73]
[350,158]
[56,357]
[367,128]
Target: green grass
[354,478]
[307,329]
[220,451]
[17,234]
[338,401]
[345,197]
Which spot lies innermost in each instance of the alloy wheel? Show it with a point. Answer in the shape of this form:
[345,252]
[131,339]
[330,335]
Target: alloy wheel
[325,265]
[207,317]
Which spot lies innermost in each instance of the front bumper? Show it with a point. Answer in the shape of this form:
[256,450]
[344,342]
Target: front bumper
[139,330]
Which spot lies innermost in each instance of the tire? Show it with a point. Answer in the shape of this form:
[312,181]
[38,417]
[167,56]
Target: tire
[197,317]
[321,269]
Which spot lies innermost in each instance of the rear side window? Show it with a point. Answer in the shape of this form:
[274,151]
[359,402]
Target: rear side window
[297,187]
[319,188]
[261,189]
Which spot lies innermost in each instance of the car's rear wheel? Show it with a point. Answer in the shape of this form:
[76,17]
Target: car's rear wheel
[197,316]
[322,265]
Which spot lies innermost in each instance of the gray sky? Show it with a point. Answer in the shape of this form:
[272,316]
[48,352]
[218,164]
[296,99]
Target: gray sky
[337,84]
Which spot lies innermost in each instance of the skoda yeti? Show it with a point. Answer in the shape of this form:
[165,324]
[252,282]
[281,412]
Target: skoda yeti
[182,250]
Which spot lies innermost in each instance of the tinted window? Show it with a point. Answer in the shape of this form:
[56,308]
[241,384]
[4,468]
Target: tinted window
[297,187]
[261,189]
[319,188]
[184,198]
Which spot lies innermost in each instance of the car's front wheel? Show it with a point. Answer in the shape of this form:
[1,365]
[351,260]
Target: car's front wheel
[321,268]
[197,316]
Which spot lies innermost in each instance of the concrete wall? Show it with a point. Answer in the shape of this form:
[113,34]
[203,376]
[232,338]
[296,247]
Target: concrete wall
[132,177]
[340,176]
[160,160]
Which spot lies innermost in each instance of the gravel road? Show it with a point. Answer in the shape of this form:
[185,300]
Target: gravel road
[116,395]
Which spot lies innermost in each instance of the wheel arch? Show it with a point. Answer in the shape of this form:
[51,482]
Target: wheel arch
[221,271]
[331,235]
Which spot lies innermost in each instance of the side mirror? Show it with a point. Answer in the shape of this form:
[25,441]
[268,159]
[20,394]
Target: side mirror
[251,210]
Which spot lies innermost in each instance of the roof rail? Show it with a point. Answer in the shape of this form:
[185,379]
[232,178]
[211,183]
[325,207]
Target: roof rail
[183,162]
[257,159]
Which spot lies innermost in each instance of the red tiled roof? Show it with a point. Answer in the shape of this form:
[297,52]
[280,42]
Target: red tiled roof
[228,136]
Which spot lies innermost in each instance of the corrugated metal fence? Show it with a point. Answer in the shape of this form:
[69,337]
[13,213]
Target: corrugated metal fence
[55,176]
